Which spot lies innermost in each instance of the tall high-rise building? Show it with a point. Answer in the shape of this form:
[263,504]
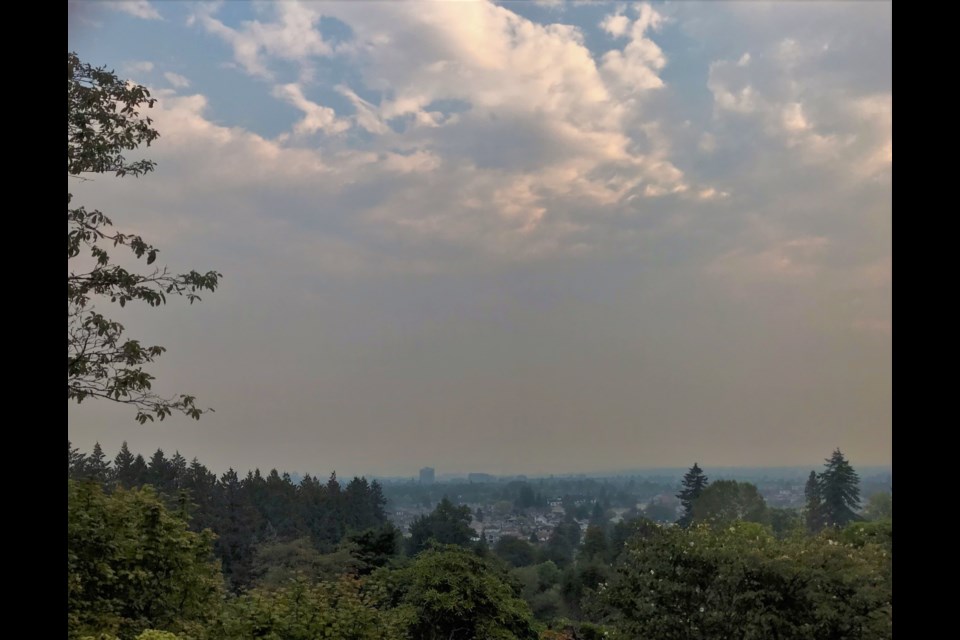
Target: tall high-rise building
[426,475]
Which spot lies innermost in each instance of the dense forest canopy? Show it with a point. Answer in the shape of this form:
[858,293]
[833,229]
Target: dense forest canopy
[234,556]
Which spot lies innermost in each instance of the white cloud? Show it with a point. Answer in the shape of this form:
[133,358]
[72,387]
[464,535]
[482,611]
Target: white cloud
[785,94]
[616,24]
[137,8]
[292,37]
[637,66]
[367,115]
[511,141]
[731,88]
[316,117]
[176,80]
[139,66]
[530,100]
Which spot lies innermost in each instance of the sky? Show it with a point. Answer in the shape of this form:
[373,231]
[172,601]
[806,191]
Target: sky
[515,237]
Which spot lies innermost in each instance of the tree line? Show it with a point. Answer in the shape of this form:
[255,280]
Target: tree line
[832,499]
[148,554]
[247,511]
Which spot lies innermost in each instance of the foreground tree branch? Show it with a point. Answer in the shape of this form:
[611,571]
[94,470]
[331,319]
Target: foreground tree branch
[103,121]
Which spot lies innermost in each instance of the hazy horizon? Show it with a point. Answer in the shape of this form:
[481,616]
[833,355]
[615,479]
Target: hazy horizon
[513,238]
[443,475]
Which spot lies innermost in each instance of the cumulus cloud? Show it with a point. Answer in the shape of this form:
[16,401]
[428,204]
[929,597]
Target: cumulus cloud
[503,137]
[137,8]
[176,80]
[291,37]
[488,92]
[821,124]
[473,126]
[616,24]
[316,117]
[624,226]
[637,66]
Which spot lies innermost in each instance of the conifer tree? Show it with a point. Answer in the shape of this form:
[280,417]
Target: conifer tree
[159,472]
[814,510]
[839,491]
[123,467]
[97,467]
[694,482]
[75,462]
[178,470]
[139,471]
[378,502]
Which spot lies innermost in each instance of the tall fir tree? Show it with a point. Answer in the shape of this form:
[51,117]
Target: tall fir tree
[76,462]
[159,472]
[123,474]
[139,471]
[378,503]
[694,482]
[97,467]
[178,470]
[814,510]
[839,491]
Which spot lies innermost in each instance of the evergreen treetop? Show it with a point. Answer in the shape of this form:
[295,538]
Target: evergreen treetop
[694,482]
[839,491]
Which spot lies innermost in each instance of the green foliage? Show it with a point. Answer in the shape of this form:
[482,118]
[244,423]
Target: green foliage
[839,491]
[345,609]
[594,543]
[727,501]
[149,634]
[447,524]
[104,121]
[660,512]
[277,563]
[784,522]
[516,552]
[449,592]
[740,581]
[563,542]
[373,548]
[153,634]
[132,565]
[310,560]
[627,529]
[813,513]
[879,507]
[878,532]
[540,588]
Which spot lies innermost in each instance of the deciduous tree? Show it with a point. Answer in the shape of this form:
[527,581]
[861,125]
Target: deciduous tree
[727,501]
[104,121]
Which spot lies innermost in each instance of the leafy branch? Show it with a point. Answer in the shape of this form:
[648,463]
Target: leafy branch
[103,121]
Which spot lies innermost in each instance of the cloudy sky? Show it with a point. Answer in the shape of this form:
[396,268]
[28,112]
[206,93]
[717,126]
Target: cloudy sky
[510,237]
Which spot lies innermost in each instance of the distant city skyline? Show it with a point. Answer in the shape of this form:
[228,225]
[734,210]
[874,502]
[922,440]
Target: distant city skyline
[509,238]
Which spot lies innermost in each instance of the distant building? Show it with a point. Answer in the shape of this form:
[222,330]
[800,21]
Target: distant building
[480,477]
[426,475]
